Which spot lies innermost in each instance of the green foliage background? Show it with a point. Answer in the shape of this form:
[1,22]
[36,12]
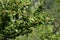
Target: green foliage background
[28,20]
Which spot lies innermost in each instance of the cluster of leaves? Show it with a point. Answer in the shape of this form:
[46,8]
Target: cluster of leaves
[17,19]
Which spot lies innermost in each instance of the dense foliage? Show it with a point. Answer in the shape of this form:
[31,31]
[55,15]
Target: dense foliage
[21,17]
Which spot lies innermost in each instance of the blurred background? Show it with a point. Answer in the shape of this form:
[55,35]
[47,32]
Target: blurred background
[29,19]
